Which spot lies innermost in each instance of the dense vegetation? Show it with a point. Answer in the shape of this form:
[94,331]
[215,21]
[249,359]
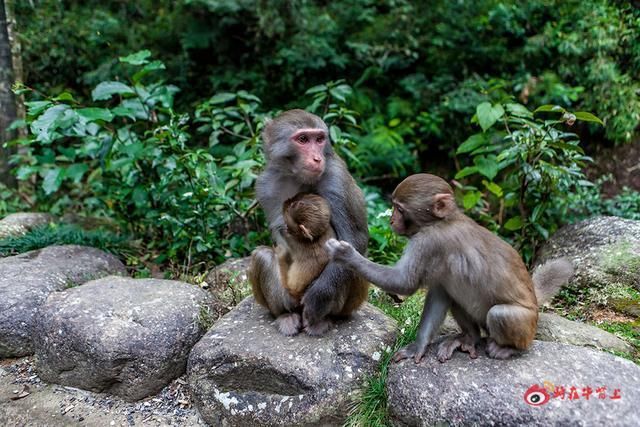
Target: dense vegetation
[150,112]
[147,115]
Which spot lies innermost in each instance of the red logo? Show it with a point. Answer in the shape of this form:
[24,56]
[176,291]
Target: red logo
[536,395]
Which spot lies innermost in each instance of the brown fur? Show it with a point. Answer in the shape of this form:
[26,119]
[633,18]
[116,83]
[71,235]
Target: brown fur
[465,267]
[305,256]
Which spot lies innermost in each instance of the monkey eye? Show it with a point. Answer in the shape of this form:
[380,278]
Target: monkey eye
[303,139]
[320,138]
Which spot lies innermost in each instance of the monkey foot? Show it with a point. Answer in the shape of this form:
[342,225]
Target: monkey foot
[496,351]
[464,342]
[318,328]
[289,323]
[410,351]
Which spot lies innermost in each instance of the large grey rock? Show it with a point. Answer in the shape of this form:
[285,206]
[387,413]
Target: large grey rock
[485,391]
[127,337]
[21,222]
[554,328]
[27,279]
[243,372]
[604,250]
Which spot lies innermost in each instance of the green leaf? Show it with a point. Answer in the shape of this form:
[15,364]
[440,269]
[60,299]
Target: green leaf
[43,126]
[52,180]
[138,58]
[221,98]
[394,122]
[105,90]
[139,196]
[36,107]
[487,166]
[92,114]
[152,66]
[488,114]
[587,117]
[76,171]
[316,89]
[471,199]
[64,96]
[473,142]
[514,223]
[334,133]
[549,108]
[469,170]
[493,187]
[518,110]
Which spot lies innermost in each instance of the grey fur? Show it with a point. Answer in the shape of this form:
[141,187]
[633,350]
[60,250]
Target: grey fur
[550,277]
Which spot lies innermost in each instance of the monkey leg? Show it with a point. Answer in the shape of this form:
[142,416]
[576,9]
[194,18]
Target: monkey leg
[264,275]
[466,341]
[511,329]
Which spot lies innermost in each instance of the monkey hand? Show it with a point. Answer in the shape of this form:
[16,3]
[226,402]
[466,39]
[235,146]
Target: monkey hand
[413,350]
[339,250]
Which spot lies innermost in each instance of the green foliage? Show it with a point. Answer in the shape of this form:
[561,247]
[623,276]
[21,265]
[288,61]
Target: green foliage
[64,234]
[521,167]
[128,154]
[588,201]
[370,407]
[385,247]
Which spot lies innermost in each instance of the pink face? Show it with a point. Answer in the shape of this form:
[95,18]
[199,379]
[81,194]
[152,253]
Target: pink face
[397,219]
[310,144]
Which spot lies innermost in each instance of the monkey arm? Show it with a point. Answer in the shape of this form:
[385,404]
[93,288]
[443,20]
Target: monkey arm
[435,309]
[400,279]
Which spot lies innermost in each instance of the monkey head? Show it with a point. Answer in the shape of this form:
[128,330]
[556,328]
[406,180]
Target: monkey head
[421,200]
[307,216]
[297,143]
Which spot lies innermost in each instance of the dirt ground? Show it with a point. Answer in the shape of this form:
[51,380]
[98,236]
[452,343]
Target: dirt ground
[26,401]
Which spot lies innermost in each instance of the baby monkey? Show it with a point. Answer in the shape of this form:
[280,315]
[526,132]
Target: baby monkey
[466,268]
[307,217]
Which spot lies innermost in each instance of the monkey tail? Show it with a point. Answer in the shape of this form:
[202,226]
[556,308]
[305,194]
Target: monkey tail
[549,278]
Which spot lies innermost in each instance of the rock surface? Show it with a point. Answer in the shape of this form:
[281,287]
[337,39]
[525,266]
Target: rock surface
[229,283]
[243,372]
[604,250]
[27,401]
[19,223]
[554,328]
[127,337]
[485,391]
[27,279]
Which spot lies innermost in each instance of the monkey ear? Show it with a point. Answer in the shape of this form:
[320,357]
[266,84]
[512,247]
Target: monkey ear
[305,232]
[443,205]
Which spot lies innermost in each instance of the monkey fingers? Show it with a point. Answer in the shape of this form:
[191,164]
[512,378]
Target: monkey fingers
[318,328]
[410,351]
[496,351]
[464,342]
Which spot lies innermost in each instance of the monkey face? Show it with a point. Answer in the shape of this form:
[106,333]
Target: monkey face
[398,220]
[297,144]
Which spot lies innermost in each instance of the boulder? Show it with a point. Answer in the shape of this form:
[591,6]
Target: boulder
[128,337]
[243,372]
[27,279]
[605,250]
[21,222]
[484,391]
[554,328]
[229,283]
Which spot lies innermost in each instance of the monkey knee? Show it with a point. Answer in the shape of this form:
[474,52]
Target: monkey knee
[512,325]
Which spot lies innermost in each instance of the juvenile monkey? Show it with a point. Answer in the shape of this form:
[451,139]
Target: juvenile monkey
[467,269]
[303,256]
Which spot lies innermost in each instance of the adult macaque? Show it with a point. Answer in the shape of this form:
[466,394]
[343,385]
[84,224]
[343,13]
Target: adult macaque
[300,159]
[307,217]
[467,269]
